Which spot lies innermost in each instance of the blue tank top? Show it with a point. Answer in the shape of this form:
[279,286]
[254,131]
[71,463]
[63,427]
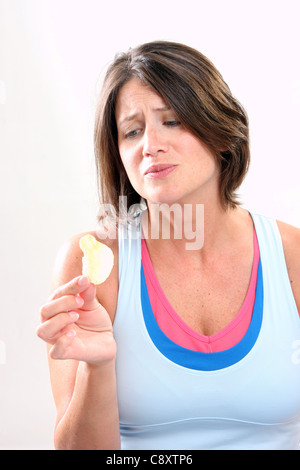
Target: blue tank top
[246,397]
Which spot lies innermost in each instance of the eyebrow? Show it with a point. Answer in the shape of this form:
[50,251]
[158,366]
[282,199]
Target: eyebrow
[133,116]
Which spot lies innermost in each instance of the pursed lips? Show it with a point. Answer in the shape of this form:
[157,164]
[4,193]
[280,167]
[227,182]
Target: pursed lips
[159,170]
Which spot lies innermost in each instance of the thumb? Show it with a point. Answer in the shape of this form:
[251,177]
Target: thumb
[89,298]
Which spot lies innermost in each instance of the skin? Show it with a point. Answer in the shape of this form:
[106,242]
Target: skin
[154,135]
[150,134]
[76,321]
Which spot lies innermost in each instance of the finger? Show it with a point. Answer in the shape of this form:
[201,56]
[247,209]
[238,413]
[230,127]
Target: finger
[89,296]
[73,287]
[49,330]
[59,305]
[63,346]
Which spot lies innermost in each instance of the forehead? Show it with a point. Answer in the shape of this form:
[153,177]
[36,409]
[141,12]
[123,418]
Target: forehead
[134,96]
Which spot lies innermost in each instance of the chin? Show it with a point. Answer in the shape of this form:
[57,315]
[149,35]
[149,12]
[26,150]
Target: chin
[163,199]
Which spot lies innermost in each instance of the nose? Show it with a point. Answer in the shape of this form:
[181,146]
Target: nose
[153,142]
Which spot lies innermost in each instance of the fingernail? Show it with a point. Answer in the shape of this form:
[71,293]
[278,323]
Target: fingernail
[74,315]
[83,281]
[79,300]
[71,333]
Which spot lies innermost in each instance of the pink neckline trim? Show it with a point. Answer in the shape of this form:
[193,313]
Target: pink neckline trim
[248,301]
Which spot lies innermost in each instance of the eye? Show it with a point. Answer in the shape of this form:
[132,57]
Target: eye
[172,123]
[131,134]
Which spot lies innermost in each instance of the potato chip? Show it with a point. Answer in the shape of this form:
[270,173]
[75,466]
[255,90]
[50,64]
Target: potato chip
[98,259]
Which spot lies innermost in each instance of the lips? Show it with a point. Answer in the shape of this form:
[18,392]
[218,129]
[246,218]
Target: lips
[160,170]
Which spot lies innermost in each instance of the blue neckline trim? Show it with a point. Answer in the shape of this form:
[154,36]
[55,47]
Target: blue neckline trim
[201,360]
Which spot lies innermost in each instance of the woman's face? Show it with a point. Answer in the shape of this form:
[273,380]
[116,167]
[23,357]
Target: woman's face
[163,160]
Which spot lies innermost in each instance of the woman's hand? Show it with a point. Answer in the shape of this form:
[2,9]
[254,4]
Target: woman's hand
[76,324]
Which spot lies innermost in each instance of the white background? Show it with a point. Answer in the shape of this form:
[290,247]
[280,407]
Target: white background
[53,54]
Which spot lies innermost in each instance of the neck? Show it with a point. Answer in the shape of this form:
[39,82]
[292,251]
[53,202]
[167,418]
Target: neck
[203,228]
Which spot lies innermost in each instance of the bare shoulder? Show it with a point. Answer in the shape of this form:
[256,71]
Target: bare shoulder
[290,236]
[68,265]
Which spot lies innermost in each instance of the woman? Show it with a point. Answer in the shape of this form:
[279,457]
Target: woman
[184,346]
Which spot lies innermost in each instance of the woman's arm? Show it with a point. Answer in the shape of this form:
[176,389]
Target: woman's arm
[89,419]
[82,354]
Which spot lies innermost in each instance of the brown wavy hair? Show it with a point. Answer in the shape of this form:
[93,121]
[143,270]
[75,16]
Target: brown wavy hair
[191,85]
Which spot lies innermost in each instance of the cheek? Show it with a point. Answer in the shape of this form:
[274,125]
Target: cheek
[200,155]
[127,159]
[131,166]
